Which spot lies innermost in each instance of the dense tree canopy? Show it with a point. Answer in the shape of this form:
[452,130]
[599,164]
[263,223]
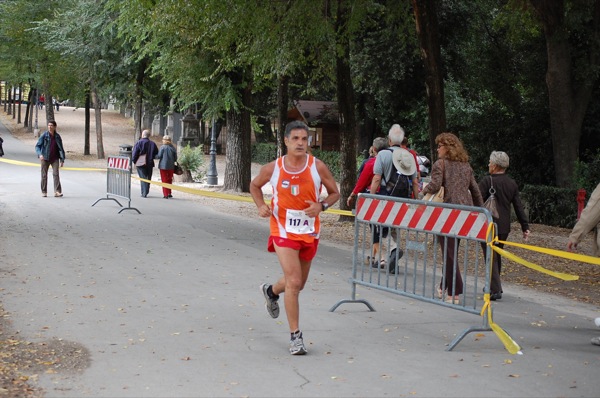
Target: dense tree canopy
[521,76]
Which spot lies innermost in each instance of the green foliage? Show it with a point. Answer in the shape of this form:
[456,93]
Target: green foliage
[263,153]
[359,160]
[587,174]
[496,98]
[386,65]
[206,52]
[550,205]
[192,159]
[332,160]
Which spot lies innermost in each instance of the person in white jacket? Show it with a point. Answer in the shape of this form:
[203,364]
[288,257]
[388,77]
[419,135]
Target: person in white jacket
[588,220]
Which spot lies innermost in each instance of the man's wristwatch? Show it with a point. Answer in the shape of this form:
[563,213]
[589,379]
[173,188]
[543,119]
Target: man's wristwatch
[324,205]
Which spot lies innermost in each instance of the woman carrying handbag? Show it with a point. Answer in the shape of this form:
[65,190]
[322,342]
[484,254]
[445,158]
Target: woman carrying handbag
[453,172]
[167,158]
[506,192]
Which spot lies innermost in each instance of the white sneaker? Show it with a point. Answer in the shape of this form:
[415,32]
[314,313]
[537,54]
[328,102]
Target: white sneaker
[297,345]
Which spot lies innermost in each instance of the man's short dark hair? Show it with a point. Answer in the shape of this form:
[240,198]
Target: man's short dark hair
[296,124]
[52,122]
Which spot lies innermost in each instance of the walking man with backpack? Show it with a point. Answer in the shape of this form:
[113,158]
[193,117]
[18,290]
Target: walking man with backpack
[395,174]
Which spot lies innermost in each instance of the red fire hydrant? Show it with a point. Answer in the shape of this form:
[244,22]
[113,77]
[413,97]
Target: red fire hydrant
[580,201]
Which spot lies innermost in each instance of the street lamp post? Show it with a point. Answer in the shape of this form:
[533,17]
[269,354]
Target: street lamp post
[212,177]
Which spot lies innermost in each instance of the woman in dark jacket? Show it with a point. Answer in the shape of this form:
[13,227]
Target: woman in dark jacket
[453,171]
[507,193]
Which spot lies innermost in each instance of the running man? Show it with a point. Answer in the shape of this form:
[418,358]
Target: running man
[297,179]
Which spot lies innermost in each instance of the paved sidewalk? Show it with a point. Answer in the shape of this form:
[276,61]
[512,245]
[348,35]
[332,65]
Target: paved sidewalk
[166,303]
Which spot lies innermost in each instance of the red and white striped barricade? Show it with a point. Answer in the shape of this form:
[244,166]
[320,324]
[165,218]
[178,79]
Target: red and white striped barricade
[118,181]
[415,240]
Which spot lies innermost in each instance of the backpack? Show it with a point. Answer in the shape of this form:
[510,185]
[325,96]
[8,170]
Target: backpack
[399,185]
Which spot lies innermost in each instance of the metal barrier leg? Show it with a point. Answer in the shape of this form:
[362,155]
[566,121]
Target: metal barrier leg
[365,302]
[129,208]
[352,300]
[464,334]
[107,198]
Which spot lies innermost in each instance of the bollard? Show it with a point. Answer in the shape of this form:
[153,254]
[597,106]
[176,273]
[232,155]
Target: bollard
[580,201]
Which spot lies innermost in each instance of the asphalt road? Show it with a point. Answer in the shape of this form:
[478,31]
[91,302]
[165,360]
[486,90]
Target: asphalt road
[167,304]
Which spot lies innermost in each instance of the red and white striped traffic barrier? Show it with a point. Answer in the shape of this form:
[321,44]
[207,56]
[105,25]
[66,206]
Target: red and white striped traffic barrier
[439,220]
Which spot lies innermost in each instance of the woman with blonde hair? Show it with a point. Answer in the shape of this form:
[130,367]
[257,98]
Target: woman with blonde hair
[167,156]
[453,171]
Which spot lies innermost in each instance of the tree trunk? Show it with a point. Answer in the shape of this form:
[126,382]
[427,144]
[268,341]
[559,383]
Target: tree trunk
[29,111]
[48,103]
[239,153]
[345,97]
[139,98]
[14,101]
[366,129]
[283,100]
[98,115]
[20,102]
[567,101]
[86,129]
[425,12]
[9,99]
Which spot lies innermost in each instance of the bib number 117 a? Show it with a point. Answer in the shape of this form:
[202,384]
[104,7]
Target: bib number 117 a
[297,222]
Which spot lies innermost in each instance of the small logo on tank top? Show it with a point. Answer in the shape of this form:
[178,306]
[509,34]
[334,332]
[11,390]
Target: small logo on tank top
[285,184]
[295,190]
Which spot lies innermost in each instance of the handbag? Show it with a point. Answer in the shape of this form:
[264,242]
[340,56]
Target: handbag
[141,160]
[435,197]
[490,203]
[177,170]
[439,195]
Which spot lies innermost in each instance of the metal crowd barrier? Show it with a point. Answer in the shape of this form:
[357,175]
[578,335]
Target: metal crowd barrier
[418,229]
[118,181]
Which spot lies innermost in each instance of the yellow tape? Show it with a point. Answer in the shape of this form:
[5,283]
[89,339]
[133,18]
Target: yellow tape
[558,253]
[559,275]
[510,345]
[528,264]
[20,163]
[226,196]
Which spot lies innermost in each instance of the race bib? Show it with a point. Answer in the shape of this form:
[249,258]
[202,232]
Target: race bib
[297,222]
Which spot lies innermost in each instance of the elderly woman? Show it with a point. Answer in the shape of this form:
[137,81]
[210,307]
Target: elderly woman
[506,193]
[167,156]
[453,171]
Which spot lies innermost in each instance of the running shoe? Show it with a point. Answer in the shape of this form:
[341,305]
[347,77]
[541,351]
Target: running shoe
[297,345]
[270,303]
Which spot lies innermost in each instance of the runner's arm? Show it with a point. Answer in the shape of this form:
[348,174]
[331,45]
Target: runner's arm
[256,185]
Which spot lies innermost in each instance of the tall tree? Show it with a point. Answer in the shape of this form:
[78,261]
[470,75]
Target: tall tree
[346,103]
[426,20]
[569,89]
[79,33]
